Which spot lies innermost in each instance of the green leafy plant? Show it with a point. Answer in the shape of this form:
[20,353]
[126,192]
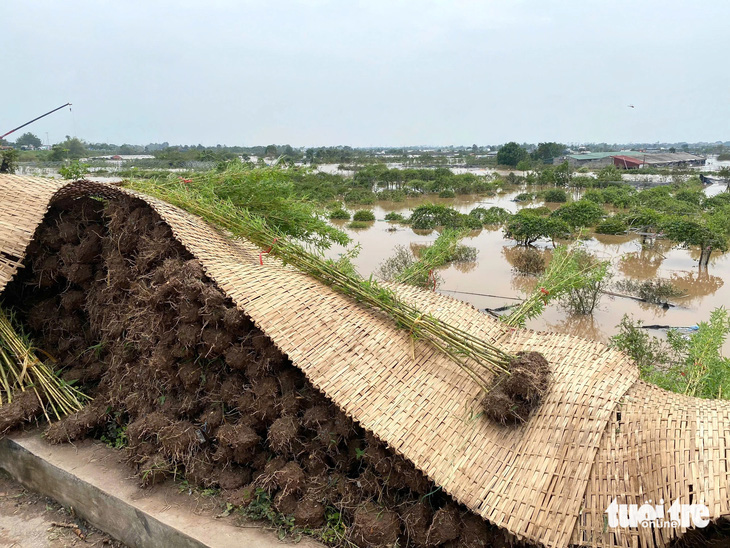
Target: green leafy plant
[394,217]
[492,216]
[430,216]
[689,364]
[612,225]
[74,171]
[9,161]
[568,271]
[527,227]
[584,297]
[268,193]
[420,272]
[524,197]
[363,215]
[555,195]
[581,213]
[340,214]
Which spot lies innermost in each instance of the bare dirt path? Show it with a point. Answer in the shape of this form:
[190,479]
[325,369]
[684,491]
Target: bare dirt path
[29,520]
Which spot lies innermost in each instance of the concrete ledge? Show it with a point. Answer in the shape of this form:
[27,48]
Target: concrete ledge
[90,478]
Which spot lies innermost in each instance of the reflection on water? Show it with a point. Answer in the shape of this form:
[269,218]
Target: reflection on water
[697,284]
[584,325]
[641,264]
[465,266]
[490,281]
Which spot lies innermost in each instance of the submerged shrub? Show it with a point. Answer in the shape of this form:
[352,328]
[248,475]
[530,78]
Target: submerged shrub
[612,225]
[526,227]
[392,195]
[393,216]
[401,259]
[524,197]
[359,224]
[583,300]
[418,267]
[594,195]
[542,211]
[340,213]
[360,196]
[363,215]
[655,290]
[555,195]
[432,216]
[529,261]
[447,193]
[580,213]
[492,216]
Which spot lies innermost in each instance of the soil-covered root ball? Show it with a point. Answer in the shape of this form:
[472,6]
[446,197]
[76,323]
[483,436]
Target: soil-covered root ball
[25,407]
[375,526]
[514,396]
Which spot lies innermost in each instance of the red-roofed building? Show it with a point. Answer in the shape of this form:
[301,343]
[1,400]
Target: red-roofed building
[627,162]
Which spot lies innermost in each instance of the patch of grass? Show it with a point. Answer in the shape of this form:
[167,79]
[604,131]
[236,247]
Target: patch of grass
[334,532]
[115,432]
[358,224]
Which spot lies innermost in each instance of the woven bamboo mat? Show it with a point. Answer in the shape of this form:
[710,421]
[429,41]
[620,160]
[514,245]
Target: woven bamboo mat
[544,482]
[658,446]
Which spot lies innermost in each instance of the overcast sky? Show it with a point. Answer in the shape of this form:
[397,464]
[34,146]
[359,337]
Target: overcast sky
[370,73]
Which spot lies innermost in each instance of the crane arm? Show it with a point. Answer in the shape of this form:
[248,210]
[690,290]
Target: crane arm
[34,119]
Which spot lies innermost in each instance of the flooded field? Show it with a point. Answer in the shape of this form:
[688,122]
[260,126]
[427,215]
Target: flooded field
[491,282]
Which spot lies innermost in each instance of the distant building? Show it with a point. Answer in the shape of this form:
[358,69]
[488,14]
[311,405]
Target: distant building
[627,162]
[632,159]
[661,159]
[595,159]
[674,159]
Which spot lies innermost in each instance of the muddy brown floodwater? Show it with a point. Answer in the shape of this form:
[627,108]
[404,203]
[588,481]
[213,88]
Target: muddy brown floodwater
[490,281]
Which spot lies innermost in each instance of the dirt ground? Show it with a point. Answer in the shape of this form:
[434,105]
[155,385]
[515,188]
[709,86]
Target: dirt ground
[29,520]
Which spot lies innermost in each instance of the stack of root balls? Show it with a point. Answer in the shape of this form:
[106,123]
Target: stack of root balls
[189,387]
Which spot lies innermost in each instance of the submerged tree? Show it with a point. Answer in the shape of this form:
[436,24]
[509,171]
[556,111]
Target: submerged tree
[699,232]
